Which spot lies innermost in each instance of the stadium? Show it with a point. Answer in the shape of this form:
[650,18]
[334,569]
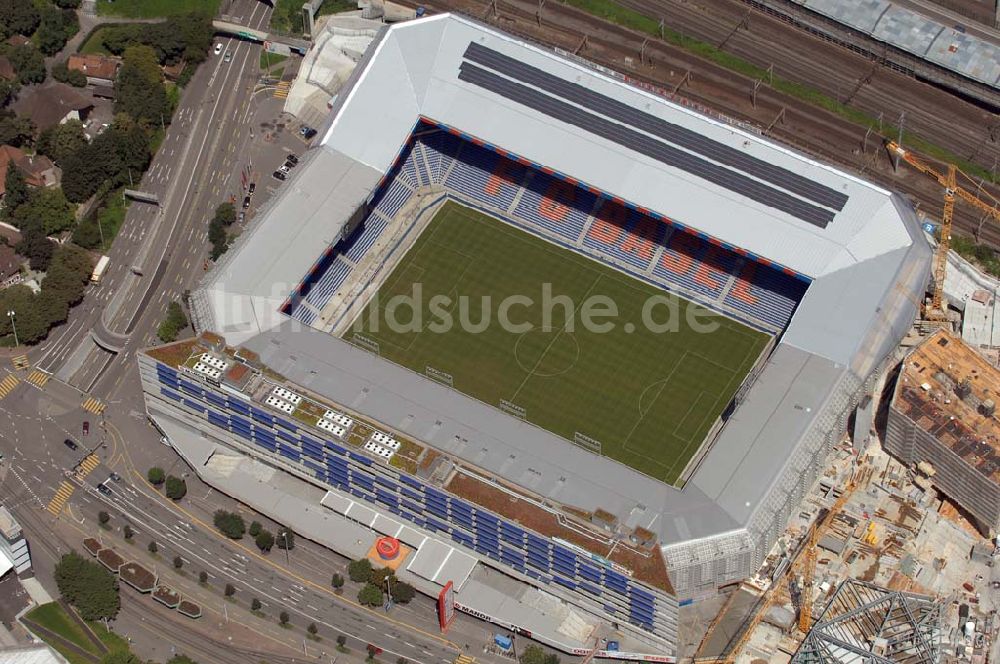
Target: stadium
[609,475]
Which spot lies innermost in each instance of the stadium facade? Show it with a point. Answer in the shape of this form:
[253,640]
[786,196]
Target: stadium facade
[444,108]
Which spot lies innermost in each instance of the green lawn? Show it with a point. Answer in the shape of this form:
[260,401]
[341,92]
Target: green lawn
[53,617]
[648,397]
[155,8]
[270,59]
[94,43]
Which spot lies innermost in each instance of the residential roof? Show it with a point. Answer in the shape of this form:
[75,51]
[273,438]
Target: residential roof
[10,262]
[19,40]
[94,65]
[31,168]
[48,104]
[7,71]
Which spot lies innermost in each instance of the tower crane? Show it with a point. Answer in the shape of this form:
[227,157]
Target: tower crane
[952,190]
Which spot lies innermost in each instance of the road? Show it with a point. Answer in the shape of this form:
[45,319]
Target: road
[191,173]
[34,422]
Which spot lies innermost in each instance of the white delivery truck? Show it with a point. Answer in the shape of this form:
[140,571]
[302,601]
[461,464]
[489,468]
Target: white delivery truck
[99,270]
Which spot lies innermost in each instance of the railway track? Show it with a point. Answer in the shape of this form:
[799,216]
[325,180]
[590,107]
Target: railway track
[804,127]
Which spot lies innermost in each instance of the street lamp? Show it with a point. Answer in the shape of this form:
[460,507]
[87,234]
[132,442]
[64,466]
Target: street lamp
[284,534]
[13,326]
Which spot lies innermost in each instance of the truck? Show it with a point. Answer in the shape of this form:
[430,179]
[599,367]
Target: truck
[99,269]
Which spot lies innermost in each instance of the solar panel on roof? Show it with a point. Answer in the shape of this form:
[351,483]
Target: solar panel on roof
[633,140]
[668,131]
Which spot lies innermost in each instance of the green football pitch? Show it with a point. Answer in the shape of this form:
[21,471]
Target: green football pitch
[646,398]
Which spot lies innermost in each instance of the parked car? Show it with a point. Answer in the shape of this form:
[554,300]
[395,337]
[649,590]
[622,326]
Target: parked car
[105,489]
[252,188]
[246,202]
[292,159]
[70,444]
[284,168]
[115,477]
[86,428]
[242,217]
[309,134]
[279,175]
[229,56]
[303,130]
[218,48]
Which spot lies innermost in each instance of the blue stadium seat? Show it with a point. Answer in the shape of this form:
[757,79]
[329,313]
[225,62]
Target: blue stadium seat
[485,176]
[360,244]
[555,205]
[392,198]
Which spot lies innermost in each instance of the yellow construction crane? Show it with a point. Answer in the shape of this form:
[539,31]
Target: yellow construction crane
[948,180]
[816,533]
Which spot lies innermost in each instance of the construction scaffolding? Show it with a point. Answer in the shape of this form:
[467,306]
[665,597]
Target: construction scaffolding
[865,623]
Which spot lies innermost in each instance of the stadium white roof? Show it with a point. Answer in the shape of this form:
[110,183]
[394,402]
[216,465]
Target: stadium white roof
[861,246]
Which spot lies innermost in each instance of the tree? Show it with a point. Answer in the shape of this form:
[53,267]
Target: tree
[203,577]
[229,524]
[402,592]
[225,214]
[139,89]
[255,604]
[67,4]
[533,654]
[31,322]
[264,540]
[18,17]
[255,528]
[218,238]
[283,618]
[28,63]
[16,190]
[312,629]
[178,562]
[156,476]
[230,590]
[153,547]
[342,642]
[172,324]
[360,571]
[47,210]
[14,130]
[284,538]
[62,140]
[370,595]
[87,586]
[372,651]
[176,488]
[103,517]
[379,576]
[55,28]
[127,532]
[37,248]
[337,582]
[64,74]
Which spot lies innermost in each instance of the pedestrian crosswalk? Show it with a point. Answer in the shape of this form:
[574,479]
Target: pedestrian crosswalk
[281,89]
[87,465]
[93,405]
[8,384]
[20,362]
[465,659]
[59,500]
[38,378]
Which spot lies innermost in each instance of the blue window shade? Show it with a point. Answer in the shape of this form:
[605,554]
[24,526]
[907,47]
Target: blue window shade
[284,435]
[590,588]
[215,399]
[460,506]
[563,553]
[170,394]
[563,568]
[313,453]
[218,420]
[285,424]
[363,460]
[385,497]
[410,493]
[511,557]
[590,572]
[564,582]
[540,564]
[639,596]
[434,524]
[194,405]
[434,494]
[434,508]
[239,406]
[188,386]
[463,520]
[262,417]
[291,454]
[609,608]
[615,581]
[487,518]
[334,447]
[511,533]
[310,441]
[406,479]
[314,466]
[164,369]
[462,538]
[242,433]
[238,421]
[386,482]
[412,506]
[169,382]
[264,433]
